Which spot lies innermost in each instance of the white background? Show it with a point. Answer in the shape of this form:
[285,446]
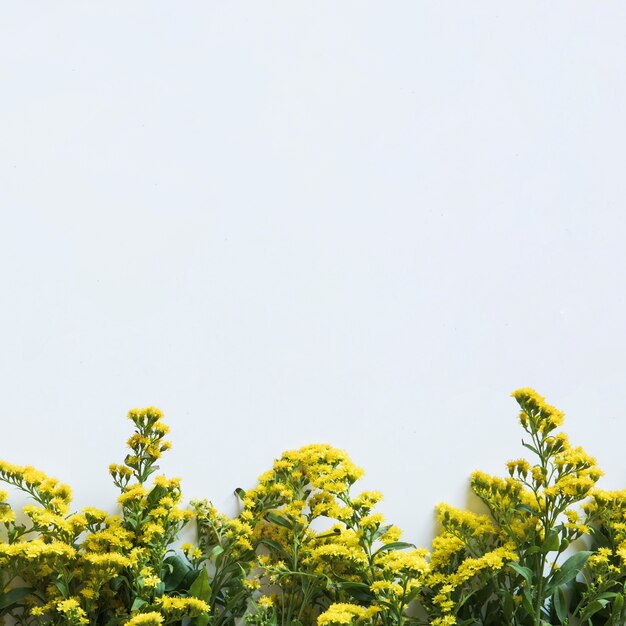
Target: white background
[285,222]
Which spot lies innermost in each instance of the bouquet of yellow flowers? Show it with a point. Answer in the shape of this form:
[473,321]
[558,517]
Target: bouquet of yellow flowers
[307,548]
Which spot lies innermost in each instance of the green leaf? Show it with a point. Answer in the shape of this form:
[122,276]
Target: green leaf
[600,539]
[156,493]
[616,618]
[527,602]
[201,587]
[13,596]
[531,448]
[117,582]
[275,518]
[62,587]
[381,530]
[396,545]
[137,604]
[240,493]
[593,608]
[608,595]
[508,606]
[215,552]
[568,570]
[270,543]
[178,569]
[560,604]
[331,533]
[359,591]
[551,543]
[524,572]
[202,620]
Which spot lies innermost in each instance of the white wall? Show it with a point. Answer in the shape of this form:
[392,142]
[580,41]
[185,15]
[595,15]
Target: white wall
[286,222]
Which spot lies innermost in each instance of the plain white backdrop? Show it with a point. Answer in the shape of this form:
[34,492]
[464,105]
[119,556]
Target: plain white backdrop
[361,223]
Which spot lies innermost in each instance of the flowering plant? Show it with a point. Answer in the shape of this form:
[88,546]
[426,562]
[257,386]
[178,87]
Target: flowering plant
[308,549]
[90,567]
[505,568]
[352,567]
[600,593]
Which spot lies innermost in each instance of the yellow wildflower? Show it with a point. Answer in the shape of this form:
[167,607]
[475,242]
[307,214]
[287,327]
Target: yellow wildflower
[145,619]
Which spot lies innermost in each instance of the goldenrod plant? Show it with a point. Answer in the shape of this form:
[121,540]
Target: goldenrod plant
[355,565]
[39,554]
[468,583]
[506,569]
[153,585]
[308,549]
[600,594]
[67,569]
[224,548]
[299,489]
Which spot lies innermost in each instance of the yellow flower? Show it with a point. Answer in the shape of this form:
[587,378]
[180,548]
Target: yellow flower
[391,535]
[161,428]
[7,515]
[266,602]
[182,607]
[66,606]
[445,546]
[151,581]
[342,613]
[372,521]
[536,413]
[384,587]
[108,559]
[145,619]
[251,583]
[521,466]
[412,562]
[136,492]
[493,560]
[72,610]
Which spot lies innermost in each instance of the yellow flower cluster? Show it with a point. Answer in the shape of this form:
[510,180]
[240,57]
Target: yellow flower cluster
[537,415]
[493,560]
[152,618]
[176,609]
[72,611]
[342,613]
[464,524]
[413,563]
